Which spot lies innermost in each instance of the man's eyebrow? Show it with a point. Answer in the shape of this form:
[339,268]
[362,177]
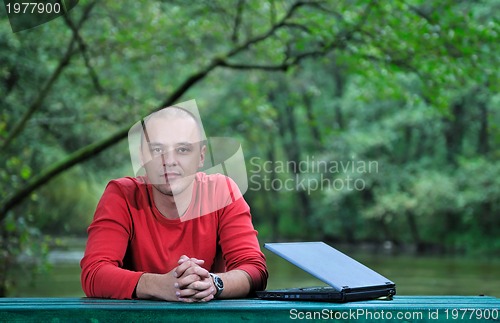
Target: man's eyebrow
[185,143]
[155,144]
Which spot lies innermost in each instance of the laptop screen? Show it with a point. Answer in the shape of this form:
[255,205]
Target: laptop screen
[328,264]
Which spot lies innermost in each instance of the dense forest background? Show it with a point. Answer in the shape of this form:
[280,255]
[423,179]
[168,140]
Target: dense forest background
[399,99]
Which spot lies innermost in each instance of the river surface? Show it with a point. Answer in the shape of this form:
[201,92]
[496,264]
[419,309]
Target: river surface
[429,275]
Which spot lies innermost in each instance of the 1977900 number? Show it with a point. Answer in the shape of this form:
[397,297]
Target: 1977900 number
[471,314]
[33,7]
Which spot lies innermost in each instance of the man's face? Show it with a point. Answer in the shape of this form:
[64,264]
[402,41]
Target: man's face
[172,153]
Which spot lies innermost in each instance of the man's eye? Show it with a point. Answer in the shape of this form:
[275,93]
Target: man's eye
[183,150]
[156,150]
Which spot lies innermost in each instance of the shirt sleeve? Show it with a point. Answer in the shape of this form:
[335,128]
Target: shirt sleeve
[239,244]
[108,236]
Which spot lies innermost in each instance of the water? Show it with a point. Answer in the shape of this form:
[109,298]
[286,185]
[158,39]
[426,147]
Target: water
[430,275]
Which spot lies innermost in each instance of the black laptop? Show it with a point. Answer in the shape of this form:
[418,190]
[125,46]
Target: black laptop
[348,279]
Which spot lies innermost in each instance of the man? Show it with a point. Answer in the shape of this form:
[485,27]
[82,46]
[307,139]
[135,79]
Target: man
[163,235]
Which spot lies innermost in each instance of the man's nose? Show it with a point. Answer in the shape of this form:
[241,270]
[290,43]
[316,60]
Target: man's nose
[169,158]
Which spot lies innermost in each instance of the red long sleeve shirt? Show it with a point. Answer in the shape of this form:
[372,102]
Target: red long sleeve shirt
[129,236]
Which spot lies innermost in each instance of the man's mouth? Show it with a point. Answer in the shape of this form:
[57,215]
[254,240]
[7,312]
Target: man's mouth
[171,175]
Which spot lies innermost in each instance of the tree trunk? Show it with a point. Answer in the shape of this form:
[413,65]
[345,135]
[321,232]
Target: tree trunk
[415,234]
[340,82]
[453,132]
[483,147]
[312,121]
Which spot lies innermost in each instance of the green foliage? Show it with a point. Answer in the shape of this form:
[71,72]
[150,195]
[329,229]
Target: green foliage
[23,251]
[75,200]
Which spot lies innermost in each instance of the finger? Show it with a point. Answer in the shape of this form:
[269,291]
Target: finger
[186,300]
[200,285]
[187,278]
[193,286]
[208,298]
[196,296]
[182,259]
[188,281]
[184,293]
[195,300]
[185,258]
[179,271]
[198,289]
[200,295]
[184,282]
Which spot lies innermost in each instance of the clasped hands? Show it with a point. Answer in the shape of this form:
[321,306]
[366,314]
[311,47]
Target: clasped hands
[193,283]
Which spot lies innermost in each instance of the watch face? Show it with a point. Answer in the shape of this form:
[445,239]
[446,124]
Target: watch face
[218,282]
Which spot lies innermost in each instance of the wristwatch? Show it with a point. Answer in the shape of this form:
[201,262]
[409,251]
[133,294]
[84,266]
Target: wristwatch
[219,284]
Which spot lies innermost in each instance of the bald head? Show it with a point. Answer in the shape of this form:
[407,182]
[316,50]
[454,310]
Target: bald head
[170,114]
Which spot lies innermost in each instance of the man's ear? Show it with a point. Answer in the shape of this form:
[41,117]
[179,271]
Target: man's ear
[202,155]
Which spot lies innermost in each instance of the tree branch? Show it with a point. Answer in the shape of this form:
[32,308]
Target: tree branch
[451,48]
[319,6]
[339,41]
[237,20]
[45,176]
[267,34]
[37,103]
[83,49]
[279,68]
[401,63]
[97,147]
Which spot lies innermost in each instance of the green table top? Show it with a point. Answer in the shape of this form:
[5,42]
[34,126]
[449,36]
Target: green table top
[401,308]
